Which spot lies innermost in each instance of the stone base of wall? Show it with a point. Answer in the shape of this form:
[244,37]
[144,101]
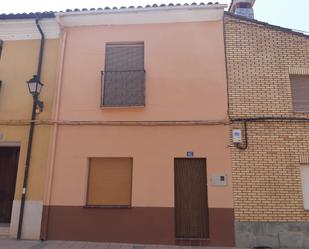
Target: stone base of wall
[273,234]
[136,225]
[32,220]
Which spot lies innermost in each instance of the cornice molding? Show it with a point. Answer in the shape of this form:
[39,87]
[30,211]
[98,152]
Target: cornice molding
[25,29]
[142,16]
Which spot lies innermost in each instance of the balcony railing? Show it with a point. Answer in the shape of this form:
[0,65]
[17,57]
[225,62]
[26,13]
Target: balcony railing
[123,88]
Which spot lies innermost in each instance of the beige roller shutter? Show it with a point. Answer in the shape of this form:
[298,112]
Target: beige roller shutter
[300,92]
[109,182]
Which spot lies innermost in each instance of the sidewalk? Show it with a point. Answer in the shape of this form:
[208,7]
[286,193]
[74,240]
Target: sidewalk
[25,244]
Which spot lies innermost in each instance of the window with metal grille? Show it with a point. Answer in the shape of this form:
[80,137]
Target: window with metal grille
[110,182]
[123,81]
[300,92]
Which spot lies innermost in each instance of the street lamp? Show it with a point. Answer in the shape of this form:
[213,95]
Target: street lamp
[35,85]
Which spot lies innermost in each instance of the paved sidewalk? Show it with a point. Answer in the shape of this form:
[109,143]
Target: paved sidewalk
[25,244]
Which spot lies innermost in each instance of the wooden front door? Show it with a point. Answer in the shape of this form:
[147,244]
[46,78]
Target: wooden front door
[191,204]
[8,172]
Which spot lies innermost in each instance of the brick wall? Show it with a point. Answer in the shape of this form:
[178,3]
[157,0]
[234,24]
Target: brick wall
[266,176]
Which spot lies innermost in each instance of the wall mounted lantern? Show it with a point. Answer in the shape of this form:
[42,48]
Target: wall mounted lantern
[35,87]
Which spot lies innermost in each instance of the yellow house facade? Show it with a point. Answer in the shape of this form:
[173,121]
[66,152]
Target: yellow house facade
[20,48]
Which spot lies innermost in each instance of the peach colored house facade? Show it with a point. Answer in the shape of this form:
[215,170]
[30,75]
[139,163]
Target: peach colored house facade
[183,120]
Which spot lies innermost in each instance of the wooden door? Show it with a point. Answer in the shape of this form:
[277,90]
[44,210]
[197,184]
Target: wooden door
[8,172]
[191,206]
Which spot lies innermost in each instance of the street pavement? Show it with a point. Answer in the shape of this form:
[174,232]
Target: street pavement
[26,244]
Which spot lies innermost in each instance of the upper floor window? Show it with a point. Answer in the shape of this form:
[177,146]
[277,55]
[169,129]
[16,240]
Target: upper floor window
[124,76]
[300,92]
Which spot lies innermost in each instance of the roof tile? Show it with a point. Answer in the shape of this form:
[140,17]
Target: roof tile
[51,14]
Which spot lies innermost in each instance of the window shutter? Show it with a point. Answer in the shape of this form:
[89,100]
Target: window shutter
[124,76]
[305,185]
[300,92]
[109,182]
[124,57]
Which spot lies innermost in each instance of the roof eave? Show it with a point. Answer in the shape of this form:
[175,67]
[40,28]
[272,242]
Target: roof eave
[130,10]
[271,26]
[23,16]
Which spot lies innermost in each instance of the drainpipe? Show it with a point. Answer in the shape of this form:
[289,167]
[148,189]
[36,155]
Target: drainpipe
[31,131]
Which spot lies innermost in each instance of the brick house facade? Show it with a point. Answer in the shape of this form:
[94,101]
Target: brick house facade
[268,195]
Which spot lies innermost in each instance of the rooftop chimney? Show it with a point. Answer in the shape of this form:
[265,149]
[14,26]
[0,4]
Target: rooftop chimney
[242,8]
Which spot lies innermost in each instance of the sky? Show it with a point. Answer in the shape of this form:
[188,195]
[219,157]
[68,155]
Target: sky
[286,13]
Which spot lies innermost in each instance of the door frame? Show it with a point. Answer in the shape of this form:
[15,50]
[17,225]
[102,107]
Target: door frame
[10,144]
[175,232]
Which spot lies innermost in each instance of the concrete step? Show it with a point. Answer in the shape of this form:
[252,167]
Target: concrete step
[4,231]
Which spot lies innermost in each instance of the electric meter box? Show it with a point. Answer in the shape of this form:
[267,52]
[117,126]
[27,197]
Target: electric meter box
[219,179]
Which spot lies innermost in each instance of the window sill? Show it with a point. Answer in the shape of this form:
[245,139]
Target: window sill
[122,107]
[301,112]
[109,206]
[192,239]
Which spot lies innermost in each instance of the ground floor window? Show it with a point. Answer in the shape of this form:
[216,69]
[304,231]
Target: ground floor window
[305,184]
[109,182]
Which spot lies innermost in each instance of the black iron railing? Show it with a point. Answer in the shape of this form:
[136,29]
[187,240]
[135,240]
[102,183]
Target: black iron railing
[123,88]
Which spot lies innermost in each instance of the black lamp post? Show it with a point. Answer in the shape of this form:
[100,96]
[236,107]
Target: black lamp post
[35,87]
